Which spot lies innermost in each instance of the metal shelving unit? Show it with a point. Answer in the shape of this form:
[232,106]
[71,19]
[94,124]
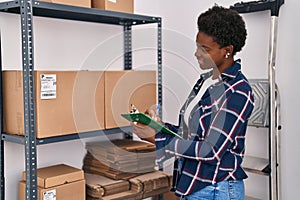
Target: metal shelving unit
[27,9]
[266,113]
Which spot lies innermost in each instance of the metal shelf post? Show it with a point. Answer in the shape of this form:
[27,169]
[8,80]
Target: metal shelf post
[159,67]
[127,47]
[27,9]
[29,100]
[2,178]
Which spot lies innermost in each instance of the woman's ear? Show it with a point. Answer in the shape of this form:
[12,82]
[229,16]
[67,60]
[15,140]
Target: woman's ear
[228,51]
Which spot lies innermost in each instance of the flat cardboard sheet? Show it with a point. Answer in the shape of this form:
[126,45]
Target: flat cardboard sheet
[98,186]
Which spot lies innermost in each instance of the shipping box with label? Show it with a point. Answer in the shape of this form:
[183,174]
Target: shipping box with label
[58,182]
[65,102]
[123,88]
[114,5]
[81,3]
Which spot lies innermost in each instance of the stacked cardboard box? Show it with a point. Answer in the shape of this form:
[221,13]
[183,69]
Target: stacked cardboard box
[114,5]
[140,187]
[57,182]
[68,102]
[126,87]
[98,186]
[151,184]
[119,159]
[82,3]
[123,170]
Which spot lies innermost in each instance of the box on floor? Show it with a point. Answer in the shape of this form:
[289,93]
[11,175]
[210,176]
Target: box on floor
[57,182]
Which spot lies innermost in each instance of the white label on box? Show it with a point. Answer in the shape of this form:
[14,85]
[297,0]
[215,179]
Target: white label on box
[48,86]
[49,195]
[113,1]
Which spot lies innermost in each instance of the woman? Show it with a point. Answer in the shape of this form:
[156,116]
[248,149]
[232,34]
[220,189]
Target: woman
[209,159]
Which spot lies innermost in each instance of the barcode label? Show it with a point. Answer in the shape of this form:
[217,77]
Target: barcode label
[49,195]
[48,86]
[113,1]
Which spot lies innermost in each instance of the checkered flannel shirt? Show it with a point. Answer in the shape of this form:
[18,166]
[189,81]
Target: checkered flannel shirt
[217,126]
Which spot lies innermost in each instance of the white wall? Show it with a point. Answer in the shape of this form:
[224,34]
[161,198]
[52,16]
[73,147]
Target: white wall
[179,23]
[76,45]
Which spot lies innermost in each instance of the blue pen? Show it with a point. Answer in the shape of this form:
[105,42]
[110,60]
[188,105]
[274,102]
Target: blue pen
[157,109]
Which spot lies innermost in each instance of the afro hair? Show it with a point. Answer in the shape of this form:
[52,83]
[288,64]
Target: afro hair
[225,25]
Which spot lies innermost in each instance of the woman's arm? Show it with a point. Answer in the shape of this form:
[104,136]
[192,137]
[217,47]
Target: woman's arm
[226,125]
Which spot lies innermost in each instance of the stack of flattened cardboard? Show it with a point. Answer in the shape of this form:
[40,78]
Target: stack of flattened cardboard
[119,159]
[143,186]
[151,184]
[94,166]
[123,170]
[99,186]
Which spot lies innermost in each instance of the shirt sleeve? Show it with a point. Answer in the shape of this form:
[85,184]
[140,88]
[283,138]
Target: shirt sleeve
[161,140]
[225,126]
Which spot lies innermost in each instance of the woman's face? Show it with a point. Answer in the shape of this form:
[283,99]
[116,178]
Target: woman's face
[209,53]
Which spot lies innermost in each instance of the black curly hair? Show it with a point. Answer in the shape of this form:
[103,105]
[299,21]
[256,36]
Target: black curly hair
[225,25]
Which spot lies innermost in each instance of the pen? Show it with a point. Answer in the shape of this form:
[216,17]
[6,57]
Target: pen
[133,109]
[157,109]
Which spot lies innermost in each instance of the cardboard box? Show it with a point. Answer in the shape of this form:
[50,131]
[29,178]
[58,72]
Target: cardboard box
[98,186]
[82,3]
[66,102]
[114,5]
[123,88]
[74,191]
[62,181]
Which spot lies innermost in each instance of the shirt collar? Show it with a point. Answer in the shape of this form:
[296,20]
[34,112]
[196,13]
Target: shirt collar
[232,72]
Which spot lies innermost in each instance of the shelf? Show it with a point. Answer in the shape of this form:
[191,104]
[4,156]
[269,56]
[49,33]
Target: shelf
[256,165]
[39,141]
[61,11]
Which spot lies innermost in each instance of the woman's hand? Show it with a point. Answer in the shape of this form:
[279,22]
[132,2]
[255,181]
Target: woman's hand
[146,132]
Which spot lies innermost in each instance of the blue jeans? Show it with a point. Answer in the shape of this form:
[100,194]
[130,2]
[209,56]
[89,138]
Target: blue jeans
[225,190]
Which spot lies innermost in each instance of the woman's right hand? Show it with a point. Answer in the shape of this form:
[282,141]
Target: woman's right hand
[146,132]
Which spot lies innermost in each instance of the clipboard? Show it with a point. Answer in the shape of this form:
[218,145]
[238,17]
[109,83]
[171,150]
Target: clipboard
[146,120]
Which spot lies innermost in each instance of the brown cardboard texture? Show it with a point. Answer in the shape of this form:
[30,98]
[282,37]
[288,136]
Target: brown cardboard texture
[75,104]
[82,3]
[98,186]
[114,5]
[123,88]
[74,191]
[55,175]
[63,181]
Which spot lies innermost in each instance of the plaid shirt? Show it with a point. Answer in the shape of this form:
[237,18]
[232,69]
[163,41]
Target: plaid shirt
[217,126]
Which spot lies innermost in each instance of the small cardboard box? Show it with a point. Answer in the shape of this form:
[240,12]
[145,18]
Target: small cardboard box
[81,3]
[123,88]
[60,181]
[66,102]
[114,5]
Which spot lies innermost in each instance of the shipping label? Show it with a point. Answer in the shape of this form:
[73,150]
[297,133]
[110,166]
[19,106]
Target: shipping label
[49,195]
[48,86]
